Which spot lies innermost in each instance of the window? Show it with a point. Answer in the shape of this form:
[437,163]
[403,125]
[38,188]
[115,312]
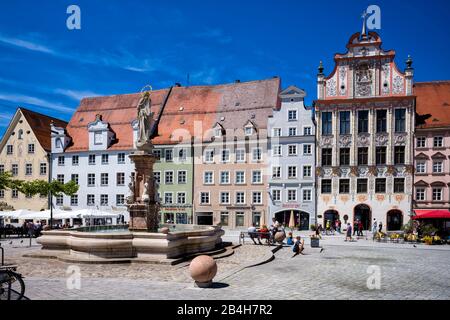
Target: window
[363,156]
[438,142]
[9,149]
[257,197]
[59,200]
[74,200]
[307,195]
[421,142]
[20,135]
[120,178]
[256,154]
[91,199]
[292,149]
[256,177]
[380,185]
[240,177]
[276,195]
[307,131]
[157,176]
[208,177]
[157,154]
[326,156]
[240,218]
[168,197]
[182,153]
[326,186]
[204,197]
[361,186]
[104,179]
[169,155]
[28,169]
[240,155]
[292,172]
[248,131]
[224,177]
[2,193]
[276,132]
[307,149]
[168,177]
[182,177]
[292,131]
[276,151]
[31,148]
[344,186]
[120,199]
[61,160]
[14,193]
[399,155]
[363,121]
[104,200]
[105,159]
[226,155]
[75,160]
[400,120]
[209,156]
[399,185]
[98,138]
[240,197]
[121,158]
[15,169]
[74,178]
[292,115]
[2,168]
[380,156]
[91,179]
[225,197]
[438,167]
[276,172]
[92,159]
[218,132]
[60,178]
[344,156]
[420,194]
[437,194]
[326,123]
[421,167]
[224,221]
[307,171]
[291,195]
[381,121]
[344,122]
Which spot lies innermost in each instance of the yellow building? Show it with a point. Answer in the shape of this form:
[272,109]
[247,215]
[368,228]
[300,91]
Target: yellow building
[24,151]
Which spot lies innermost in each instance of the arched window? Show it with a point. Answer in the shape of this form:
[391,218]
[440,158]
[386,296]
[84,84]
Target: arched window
[20,135]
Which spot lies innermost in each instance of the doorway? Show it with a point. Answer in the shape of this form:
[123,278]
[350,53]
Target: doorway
[363,213]
[330,215]
[394,221]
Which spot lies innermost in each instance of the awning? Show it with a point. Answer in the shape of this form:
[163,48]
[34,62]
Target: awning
[431,214]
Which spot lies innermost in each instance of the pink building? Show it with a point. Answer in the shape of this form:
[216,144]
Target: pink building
[432,146]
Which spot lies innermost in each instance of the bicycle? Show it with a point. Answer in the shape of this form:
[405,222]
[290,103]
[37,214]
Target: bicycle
[12,286]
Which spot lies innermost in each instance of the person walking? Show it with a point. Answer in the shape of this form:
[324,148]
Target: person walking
[360,228]
[298,246]
[380,226]
[355,227]
[349,232]
[374,228]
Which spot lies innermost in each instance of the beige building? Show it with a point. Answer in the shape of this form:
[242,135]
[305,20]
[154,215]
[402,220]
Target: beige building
[24,151]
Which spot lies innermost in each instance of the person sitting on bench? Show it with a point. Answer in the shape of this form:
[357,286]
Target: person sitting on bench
[253,234]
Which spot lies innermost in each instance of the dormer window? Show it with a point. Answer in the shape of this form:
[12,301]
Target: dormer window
[218,130]
[100,135]
[248,131]
[98,138]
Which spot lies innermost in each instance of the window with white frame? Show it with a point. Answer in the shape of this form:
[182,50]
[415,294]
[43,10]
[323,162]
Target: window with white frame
[157,176]
[248,131]
[276,151]
[224,177]
[15,169]
[157,154]
[28,169]
[14,193]
[60,178]
[104,179]
[225,155]
[292,149]
[168,197]
[98,138]
[75,160]
[224,197]
[74,200]
[2,193]
[307,149]
[105,158]
[182,176]
[421,167]
[256,154]
[292,172]
[292,115]
[437,194]
[209,156]
[276,132]
[276,172]
[181,197]
[292,131]
[240,177]
[9,149]
[168,177]
[256,177]
[421,142]
[224,221]
[182,154]
[31,148]
[438,166]
[92,159]
[120,178]
[204,197]
[240,197]
[307,171]
[121,158]
[104,200]
[74,177]
[169,155]
[208,177]
[438,142]
[120,199]
[59,200]
[91,179]
[291,195]
[61,160]
[420,194]
[91,199]
[307,131]
[276,195]
[240,155]
[307,195]
[257,197]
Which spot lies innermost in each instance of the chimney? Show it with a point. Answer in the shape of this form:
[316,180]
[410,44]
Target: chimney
[177,84]
[237,81]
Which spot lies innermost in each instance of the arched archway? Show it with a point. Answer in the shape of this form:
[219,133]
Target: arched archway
[394,220]
[301,218]
[331,215]
[363,213]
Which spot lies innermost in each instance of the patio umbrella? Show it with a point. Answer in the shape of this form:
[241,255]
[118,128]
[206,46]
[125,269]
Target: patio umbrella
[292,220]
[262,220]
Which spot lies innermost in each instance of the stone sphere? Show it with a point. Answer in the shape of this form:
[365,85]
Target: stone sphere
[164,230]
[203,269]
[279,237]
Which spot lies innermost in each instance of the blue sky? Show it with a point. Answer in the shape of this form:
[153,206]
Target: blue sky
[124,45]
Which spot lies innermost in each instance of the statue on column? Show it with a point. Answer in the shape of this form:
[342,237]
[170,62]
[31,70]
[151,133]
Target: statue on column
[144,118]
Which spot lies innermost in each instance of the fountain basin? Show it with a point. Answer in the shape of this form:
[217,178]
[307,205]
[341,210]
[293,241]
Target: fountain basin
[79,245]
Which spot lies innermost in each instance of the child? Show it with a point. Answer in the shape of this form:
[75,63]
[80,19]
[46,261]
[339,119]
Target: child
[298,246]
[290,239]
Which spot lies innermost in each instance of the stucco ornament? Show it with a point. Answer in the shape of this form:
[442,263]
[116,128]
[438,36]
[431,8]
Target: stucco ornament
[144,117]
[145,196]
[130,197]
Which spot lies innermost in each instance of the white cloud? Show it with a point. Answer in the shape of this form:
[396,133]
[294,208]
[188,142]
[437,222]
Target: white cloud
[26,44]
[18,98]
[76,94]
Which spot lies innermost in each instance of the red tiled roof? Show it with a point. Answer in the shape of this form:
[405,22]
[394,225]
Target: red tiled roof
[40,124]
[433,98]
